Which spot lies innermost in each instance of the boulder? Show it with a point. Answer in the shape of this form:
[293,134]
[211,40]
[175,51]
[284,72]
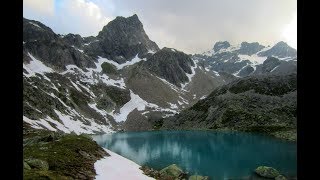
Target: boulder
[171,171]
[150,172]
[26,166]
[197,177]
[267,172]
[38,164]
[280,177]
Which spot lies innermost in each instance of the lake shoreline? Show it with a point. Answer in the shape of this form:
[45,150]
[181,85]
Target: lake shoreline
[137,152]
[290,135]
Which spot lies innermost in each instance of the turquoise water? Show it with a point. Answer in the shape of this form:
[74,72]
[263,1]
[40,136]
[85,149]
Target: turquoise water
[219,155]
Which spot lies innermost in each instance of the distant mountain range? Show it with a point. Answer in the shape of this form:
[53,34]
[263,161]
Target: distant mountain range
[249,58]
[120,79]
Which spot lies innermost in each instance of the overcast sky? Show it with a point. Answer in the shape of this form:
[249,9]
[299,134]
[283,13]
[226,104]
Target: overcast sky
[188,25]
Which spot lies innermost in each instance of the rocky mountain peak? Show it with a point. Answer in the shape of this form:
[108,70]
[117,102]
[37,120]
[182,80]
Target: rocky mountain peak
[221,45]
[53,50]
[129,24]
[171,65]
[74,39]
[250,48]
[281,50]
[34,31]
[123,38]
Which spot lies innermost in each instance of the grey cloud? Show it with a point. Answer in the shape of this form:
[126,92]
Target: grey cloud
[194,26]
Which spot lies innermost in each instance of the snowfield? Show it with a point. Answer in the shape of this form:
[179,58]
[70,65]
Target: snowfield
[36,66]
[135,103]
[118,167]
[255,59]
[135,60]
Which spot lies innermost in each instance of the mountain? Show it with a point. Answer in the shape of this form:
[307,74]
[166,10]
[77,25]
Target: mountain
[40,41]
[171,65]
[121,40]
[262,103]
[248,58]
[119,79]
[281,50]
[122,80]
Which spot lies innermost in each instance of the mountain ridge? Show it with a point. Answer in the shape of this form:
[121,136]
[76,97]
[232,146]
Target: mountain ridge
[89,93]
[78,84]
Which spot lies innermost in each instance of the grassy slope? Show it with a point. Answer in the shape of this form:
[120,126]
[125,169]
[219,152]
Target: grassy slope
[69,156]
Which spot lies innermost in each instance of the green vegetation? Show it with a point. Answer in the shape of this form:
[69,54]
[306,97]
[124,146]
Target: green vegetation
[59,156]
[108,68]
[157,124]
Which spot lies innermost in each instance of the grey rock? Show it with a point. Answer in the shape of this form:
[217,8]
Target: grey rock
[280,177]
[246,71]
[26,166]
[172,171]
[123,38]
[171,65]
[197,177]
[250,48]
[267,172]
[221,45]
[281,50]
[51,49]
[74,40]
[38,164]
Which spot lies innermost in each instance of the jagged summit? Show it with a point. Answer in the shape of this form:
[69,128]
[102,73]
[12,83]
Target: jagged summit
[171,65]
[250,48]
[34,30]
[122,39]
[247,58]
[281,50]
[221,45]
[89,84]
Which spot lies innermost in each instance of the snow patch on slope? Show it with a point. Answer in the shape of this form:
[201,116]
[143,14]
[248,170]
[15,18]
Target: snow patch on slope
[151,51]
[135,60]
[86,44]
[77,49]
[76,86]
[190,76]
[78,127]
[36,66]
[169,84]
[35,25]
[93,76]
[118,167]
[135,103]
[94,106]
[173,106]
[37,124]
[274,68]
[255,59]
[216,73]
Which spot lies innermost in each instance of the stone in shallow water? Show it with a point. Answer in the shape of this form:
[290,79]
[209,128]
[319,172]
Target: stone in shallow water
[267,172]
[280,177]
[197,177]
[172,171]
